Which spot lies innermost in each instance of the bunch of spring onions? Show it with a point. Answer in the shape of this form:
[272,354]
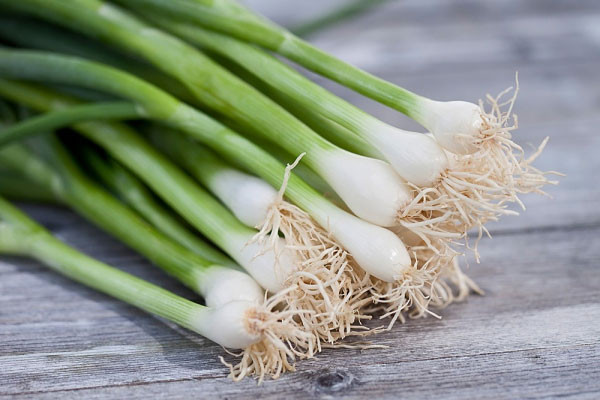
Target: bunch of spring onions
[296,215]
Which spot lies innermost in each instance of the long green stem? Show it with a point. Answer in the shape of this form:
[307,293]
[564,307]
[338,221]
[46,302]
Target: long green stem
[116,110]
[135,193]
[385,253]
[161,107]
[211,84]
[229,17]
[16,187]
[36,34]
[67,182]
[331,116]
[20,235]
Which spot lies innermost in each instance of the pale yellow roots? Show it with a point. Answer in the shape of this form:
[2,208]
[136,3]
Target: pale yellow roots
[411,294]
[328,282]
[463,284]
[434,281]
[283,340]
[477,188]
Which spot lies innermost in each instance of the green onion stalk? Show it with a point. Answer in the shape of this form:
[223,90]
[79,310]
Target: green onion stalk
[378,251]
[389,197]
[328,285]
[460,127]
[37,34]
[236,324]
[133,192]
[228,184]
[14,186]
[465,191]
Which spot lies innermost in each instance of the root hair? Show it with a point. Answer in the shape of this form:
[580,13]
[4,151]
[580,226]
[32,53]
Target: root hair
[328,280]
[283,340]
[478,188]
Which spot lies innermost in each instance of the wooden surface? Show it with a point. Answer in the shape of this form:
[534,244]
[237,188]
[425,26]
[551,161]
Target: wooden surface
[536,333]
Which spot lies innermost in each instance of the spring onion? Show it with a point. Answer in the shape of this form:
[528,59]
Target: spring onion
[68,183]
[126,186]
[326,282]
[466,193]
[236,324]
[376,250]
[348,174]
[406,199]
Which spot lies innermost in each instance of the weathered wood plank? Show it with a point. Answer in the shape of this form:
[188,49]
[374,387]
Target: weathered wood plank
[534,335]
[486,376]
[541,303]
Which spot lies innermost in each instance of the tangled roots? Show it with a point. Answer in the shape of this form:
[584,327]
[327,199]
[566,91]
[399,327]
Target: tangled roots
[430,218]
[283,340]
[328,281]
[412,292]
[457,278]
[494,175]
[435,280]
[478,188]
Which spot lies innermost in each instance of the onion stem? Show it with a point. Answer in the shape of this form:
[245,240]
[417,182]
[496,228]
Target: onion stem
[19,235]
[347,173]
[375,249]
[117,110]
[69,184]
[128,187]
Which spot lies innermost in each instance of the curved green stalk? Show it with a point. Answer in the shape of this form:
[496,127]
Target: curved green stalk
[331,116]
[211,84]
[116,110]
[20,235]
[161,107]
[37,34]
[230,17]
[16,187]
[64,179]
[385,254]
[135,193]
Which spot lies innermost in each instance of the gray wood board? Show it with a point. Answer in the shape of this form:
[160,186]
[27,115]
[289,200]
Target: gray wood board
[536,332]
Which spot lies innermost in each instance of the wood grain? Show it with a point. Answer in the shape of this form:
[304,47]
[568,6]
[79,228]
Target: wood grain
[536,332]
